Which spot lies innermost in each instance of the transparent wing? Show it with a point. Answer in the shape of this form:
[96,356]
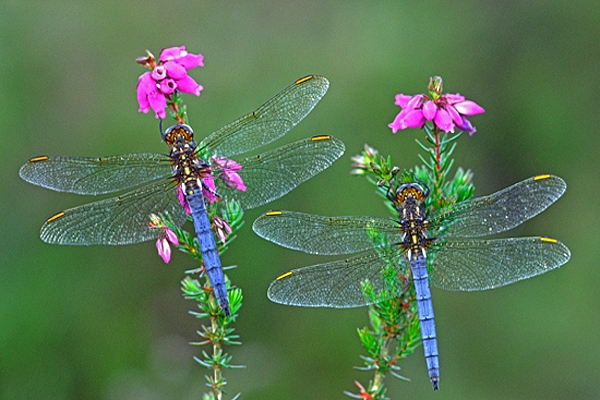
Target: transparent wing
[500,211]
[87,175]
[468,265]
[335,284]
[315,234]
[270,121]
[271,175]
[115,221]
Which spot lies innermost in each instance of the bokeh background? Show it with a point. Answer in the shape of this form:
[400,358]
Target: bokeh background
[110,323]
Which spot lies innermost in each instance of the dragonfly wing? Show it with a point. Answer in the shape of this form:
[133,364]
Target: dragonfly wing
[315,234]
[115,221]
[271,175]
[500,211]
[88,175]
[468,265]
[335,284]
[270,121]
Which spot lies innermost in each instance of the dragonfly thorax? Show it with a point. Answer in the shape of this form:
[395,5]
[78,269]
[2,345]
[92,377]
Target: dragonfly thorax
[188,169]
[413,222]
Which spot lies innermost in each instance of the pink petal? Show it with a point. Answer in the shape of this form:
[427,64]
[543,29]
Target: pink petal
[222,228]
[171,236]
[453,98]
[466,126]
[405,120]
[144,86]
[396,125]
[221,235]
[402,100]
[233,180]
[209,189]
[415,102]
[191,61]
[455,115]
[172,53]
[174,70]
[443,120]
[158,102]
[413,119]
[188,85]
[429,110]
[469,108]
[182,200]
[159,73]
[164,250]
[226,163]
[167,86]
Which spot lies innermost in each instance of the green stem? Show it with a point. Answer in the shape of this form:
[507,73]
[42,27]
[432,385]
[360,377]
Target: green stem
[217,376]
[438,178]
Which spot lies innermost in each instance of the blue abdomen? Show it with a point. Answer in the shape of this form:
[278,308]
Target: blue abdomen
[208,248]
[425,307]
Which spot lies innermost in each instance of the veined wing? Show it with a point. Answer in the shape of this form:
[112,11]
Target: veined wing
[268,122]
[88,175]
[468,265]
[271,175]
[335,284]
[115,221]
[315,234]
[499,211]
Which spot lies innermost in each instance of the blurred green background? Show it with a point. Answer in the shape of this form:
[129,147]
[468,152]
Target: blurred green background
[110,323]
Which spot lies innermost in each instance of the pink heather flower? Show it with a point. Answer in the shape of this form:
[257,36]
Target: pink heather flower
[228,173]
[165,236]
[182,57]
[208,188]
[445,111]
[162,244]
[222,228]
[155,88]
[182,200]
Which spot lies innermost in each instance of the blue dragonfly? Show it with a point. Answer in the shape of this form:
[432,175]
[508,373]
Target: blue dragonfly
[439,249]
[190,168]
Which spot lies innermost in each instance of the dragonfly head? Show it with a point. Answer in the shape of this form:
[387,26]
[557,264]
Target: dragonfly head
[410,192]
[178,135]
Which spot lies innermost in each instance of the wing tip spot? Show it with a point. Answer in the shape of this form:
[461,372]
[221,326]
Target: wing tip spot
[38,159]
[320,137]
[280,277]
[302,80]
[548,240]
[55,217]
[540,177]
[272,213]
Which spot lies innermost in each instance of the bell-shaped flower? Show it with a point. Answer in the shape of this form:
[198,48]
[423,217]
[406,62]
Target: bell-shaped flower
[165,237]
[209,190]
[227,172]
[222,228]
[182,200]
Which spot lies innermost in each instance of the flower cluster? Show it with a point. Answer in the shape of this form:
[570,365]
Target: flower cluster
[446,111]
[169,74]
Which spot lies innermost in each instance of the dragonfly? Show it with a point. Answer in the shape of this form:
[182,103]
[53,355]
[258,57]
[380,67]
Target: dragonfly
[443,249]
[157,178]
